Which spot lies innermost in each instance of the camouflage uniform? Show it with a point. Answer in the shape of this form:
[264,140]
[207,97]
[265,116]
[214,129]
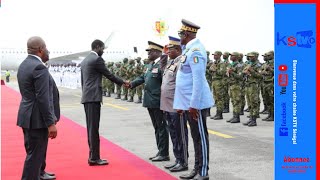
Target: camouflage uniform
[110,84]
[218,72]
[268,83]
[235,78]
[117,72]
[253,77]
[208,73]
[139,70]
[226,83]
[104,85]
[130,77]
[242,83]
[123,72]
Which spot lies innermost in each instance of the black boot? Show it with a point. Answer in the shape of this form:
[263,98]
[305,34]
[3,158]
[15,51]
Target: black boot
[226,108]
[265,119]
[246,123]
[139,100]
[234,114]
[125,98]
[236,118]
[131,99]
[253,122]
[118,96]
[218,116]
[247,110]
[271,118]
[265,110]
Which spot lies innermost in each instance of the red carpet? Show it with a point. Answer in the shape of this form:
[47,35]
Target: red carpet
[67,155]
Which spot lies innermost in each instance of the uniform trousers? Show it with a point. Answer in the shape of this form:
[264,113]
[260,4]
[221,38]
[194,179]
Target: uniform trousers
[179,136]
[199,133]
[160,131]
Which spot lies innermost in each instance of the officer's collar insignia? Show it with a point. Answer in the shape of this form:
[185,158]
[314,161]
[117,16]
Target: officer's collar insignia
[195,59]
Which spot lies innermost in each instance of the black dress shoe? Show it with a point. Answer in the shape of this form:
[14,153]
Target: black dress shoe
[191,175]
[198,177]
[169,166]
[179,167]
[46,176]
[49,173]
[161,158]
[150,158]
[99,162]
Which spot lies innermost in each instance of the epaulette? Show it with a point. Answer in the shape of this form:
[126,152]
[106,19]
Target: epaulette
[195,49]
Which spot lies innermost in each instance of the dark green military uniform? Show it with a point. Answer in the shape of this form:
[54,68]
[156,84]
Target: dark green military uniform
[152,79]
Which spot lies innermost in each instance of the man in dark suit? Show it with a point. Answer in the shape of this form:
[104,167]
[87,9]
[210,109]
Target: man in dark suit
[152,80]
[36,115]
[92,69]
[56,103]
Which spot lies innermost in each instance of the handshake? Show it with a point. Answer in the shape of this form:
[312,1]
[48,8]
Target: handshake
[127,84]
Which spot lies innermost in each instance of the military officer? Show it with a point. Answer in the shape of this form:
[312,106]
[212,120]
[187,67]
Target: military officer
[177,127]
[218,72]
[152,79]
[268,80]
[192,97]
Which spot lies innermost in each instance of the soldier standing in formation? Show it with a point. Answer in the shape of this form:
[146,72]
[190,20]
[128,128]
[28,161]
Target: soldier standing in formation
[268,80]
[218,72]
[226,83]
[253,77]
[235,78]
[139,69]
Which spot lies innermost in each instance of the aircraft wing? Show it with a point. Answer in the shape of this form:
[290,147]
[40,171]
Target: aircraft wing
[79,55]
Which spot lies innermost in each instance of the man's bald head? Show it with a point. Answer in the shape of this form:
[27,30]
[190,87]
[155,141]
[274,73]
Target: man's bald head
[34,44]
[37,46]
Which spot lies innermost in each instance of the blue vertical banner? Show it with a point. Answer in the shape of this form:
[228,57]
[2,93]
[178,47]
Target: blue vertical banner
[295,91]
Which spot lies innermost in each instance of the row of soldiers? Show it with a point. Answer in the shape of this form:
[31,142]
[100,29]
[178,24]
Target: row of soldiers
[66,75]
[128,69]
[242,81]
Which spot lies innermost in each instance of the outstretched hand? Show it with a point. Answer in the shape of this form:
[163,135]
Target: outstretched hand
[127,84]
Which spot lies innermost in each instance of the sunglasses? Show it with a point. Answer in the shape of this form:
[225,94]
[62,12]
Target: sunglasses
[181,33]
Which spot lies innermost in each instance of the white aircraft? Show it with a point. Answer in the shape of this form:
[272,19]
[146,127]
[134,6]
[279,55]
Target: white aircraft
[11,58]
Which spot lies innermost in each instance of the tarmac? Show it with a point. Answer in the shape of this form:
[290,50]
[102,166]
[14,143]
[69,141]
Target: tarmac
[237,152]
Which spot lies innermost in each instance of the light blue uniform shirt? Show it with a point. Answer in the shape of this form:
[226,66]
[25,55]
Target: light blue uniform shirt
[192,89]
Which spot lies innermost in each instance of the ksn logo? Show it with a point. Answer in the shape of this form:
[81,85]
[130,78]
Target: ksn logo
[302,39]
[283,79]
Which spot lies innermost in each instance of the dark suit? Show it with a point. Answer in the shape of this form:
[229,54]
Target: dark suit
[152,80]
[92,69]
[36,112]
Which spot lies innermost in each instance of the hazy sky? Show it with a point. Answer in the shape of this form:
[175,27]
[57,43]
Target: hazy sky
[226,25]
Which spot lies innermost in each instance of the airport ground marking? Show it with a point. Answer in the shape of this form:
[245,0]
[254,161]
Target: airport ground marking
[217,133]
